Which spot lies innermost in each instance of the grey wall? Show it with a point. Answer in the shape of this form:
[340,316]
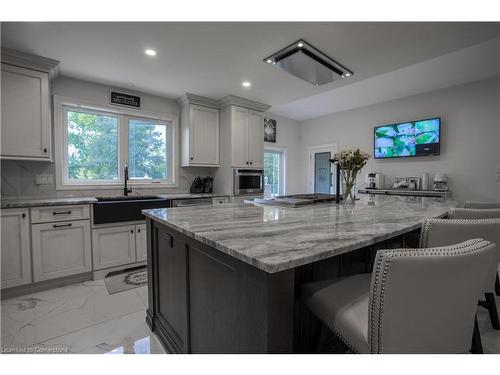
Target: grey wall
[470,148]
[287,138]
[18,177]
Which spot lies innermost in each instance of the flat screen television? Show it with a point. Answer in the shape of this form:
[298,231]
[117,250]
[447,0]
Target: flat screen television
[407,139]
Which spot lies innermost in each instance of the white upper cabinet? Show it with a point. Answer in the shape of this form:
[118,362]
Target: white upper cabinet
[256,139]
[200,132]
[26,119]
[247,138]
[239,137]
[16,254]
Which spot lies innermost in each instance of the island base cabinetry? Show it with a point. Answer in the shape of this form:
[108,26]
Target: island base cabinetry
[204,301]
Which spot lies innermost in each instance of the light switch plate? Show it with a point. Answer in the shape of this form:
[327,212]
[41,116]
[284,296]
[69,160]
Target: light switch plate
[44,179]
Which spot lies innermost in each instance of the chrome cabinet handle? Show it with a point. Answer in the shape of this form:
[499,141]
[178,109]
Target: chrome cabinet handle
[61,225]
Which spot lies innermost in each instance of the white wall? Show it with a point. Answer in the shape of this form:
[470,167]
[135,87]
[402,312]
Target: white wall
[18,177]
[287,139]
[470,144]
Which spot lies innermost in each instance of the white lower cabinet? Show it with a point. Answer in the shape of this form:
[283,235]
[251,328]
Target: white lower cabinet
[16,262]
[113,246]
[141,248]
[118,245]
[61,249]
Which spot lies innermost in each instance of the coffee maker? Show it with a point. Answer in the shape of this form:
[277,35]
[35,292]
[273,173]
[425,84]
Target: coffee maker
[440,182]
[374,180]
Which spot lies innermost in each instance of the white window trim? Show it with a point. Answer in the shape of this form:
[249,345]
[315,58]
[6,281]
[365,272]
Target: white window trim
[284,152]
[61,153]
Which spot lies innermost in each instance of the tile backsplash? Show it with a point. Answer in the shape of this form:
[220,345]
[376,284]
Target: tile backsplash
[19,180]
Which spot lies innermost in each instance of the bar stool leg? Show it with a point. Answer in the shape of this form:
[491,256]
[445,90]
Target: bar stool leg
[497,285]
[477,346]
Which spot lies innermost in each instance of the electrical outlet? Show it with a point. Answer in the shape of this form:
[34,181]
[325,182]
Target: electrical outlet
[44,179]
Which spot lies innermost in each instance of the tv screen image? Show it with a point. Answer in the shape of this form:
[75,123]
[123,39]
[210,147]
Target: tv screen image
[415,138]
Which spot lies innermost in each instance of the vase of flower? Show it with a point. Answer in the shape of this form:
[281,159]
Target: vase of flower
[350,163]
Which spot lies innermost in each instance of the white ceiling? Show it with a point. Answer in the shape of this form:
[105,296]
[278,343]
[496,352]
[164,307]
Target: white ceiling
[212,59]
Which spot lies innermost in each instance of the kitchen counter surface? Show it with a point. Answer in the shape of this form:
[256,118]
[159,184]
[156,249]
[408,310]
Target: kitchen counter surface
[30,202]
[38,202]
[274,239]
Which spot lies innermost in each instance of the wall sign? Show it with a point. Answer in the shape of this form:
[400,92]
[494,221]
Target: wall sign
[269,130]
[126,100]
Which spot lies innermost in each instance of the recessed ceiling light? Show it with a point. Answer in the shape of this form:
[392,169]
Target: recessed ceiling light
[348,74]
[150,52]
[246,84]
[300,45]
[269,61]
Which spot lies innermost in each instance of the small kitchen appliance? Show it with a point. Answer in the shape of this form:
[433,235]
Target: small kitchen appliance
[374,180]
[248,181]
[440,182]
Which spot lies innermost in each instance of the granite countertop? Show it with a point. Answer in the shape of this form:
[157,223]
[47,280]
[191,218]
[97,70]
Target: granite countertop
[37,202]
[274,238]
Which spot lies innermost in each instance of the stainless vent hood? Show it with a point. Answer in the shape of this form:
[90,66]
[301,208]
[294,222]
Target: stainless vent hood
[308,63]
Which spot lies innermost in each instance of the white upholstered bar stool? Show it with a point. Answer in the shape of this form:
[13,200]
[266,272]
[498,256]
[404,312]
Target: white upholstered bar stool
[443,232]
[478,213]
[469,204]
[406,305]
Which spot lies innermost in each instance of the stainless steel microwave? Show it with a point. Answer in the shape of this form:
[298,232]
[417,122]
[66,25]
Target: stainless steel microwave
[248,181]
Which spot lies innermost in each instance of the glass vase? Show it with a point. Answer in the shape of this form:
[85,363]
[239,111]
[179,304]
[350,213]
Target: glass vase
[349,188]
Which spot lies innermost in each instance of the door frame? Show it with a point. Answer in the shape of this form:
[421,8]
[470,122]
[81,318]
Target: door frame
[283,162]
[312,150]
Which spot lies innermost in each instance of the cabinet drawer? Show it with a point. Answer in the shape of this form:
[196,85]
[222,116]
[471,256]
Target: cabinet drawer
[61,249]
[59,213]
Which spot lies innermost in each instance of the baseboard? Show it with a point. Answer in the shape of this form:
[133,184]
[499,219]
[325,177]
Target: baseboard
[44,285]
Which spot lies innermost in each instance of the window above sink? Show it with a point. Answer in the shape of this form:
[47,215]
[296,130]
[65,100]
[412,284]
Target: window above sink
[93,145]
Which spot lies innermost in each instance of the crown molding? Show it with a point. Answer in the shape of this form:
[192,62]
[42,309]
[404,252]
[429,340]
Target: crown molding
[27,60]
[242,102]
[189,98]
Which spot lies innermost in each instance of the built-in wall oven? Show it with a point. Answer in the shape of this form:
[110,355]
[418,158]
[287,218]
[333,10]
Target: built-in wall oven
[248,181]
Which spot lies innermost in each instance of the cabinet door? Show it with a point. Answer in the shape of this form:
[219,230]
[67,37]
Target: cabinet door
[141,251]
[171,287]
[256,139]
[16,262]
[204,135]
[113,246]
[61,249]
[26,131]
[239,137]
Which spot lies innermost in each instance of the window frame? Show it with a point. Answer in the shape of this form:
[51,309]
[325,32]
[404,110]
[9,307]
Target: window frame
[283,157]
[61,106]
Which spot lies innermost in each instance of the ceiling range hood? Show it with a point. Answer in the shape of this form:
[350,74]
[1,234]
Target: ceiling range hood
[308,63]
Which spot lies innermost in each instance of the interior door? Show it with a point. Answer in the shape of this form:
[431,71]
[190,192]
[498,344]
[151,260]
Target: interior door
[322,173]
[321,176]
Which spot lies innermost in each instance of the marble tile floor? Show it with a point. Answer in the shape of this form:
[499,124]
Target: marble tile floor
[84,318]
[79,318]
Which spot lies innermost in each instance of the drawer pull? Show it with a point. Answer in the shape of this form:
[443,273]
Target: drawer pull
[138,230]
[62,213]
[170,239]
[61,225]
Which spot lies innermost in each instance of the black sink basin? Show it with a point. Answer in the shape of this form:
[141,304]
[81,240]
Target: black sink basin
[127,198]
[122,209]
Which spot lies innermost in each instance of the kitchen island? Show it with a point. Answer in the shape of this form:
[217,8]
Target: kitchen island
[226,278]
